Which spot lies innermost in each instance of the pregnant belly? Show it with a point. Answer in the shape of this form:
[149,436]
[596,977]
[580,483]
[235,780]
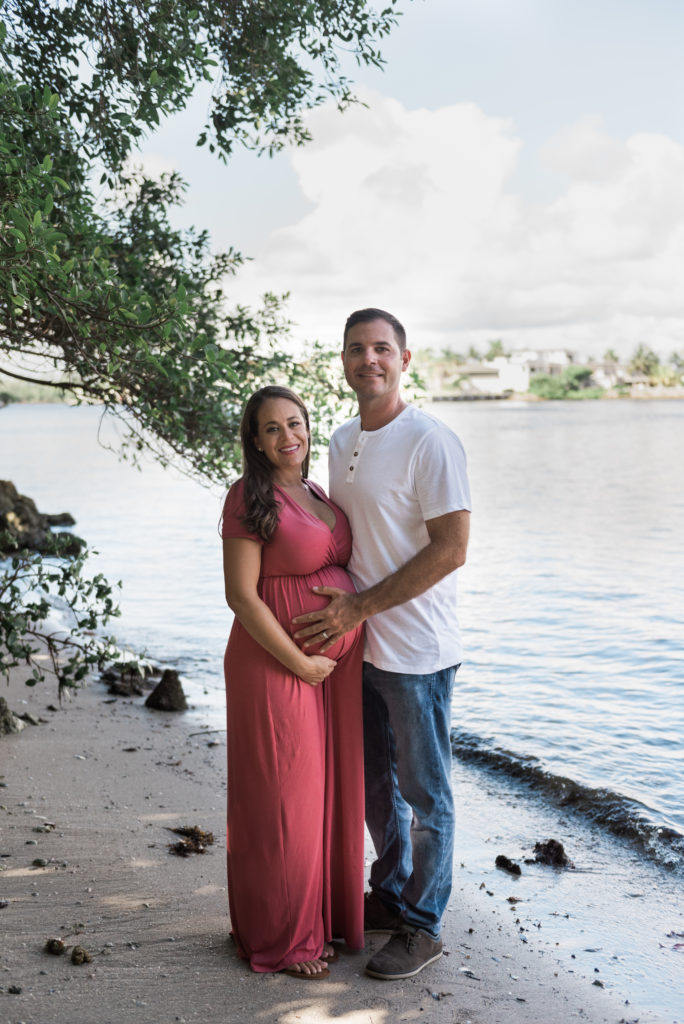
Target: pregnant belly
[288,596]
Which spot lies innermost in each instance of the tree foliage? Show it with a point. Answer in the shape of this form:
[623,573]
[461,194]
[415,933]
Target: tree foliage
[644,362]
[127,311]
[122,65]
[496,348]
[99,294]
[573,382]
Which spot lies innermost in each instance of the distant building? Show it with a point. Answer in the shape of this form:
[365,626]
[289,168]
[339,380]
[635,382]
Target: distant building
[608,374]
[504,375]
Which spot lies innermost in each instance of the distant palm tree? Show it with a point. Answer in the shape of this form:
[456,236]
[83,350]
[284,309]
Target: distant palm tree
[495,349]
[644,362]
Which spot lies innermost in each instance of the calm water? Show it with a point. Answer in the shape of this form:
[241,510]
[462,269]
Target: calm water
[572,599]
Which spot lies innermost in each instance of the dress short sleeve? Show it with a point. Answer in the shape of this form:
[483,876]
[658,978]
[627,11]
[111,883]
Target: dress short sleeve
[233,511]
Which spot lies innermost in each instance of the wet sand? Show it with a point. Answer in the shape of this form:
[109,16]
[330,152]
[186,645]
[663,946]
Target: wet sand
[113,777]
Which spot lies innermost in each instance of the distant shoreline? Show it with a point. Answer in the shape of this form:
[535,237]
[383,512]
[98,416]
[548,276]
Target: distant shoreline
[670,394]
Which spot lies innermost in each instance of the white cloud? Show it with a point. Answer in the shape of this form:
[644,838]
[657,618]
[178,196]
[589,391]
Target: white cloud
[582,150]
[413,211]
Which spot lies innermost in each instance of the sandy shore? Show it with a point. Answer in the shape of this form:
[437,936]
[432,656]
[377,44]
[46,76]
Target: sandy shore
[112,777]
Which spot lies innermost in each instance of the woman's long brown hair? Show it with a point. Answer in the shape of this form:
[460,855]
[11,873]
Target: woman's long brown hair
[261,507]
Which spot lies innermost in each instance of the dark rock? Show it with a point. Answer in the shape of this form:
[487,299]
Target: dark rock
[125,688]
[122,670]
[26,716]
[30,528]
[8,721]
[60,519]
[127,678]
[506,864]
[168,694]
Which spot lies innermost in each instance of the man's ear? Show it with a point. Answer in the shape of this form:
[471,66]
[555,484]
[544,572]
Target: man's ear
[405,359]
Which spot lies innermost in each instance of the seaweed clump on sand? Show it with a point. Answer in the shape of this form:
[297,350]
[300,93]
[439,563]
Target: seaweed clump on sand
[505,863]
[552,853]
[194,840]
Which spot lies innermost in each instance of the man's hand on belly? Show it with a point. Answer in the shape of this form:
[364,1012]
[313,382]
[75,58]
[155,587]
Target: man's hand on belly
[327,625]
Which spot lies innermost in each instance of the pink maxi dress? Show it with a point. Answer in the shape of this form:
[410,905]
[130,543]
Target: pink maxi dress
[295,757]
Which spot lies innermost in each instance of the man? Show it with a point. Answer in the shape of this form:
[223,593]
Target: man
[400,476]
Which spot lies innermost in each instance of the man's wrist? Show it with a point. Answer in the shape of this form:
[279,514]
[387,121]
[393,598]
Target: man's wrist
[363,604]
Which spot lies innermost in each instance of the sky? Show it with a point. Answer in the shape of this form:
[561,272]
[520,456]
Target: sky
[517,173]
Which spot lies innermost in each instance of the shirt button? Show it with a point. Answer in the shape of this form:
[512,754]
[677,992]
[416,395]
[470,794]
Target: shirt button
[351,469]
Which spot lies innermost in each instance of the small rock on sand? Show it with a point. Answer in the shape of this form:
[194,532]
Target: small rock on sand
[168,694]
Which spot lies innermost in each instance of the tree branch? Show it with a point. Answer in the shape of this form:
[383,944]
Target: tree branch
[65,385]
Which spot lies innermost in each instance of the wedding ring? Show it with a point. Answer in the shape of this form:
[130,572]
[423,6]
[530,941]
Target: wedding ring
[325,634]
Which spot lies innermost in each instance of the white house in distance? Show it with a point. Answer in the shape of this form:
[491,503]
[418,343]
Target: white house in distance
[505,374]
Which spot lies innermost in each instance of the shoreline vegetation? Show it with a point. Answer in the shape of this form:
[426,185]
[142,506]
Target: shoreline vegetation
[526,396]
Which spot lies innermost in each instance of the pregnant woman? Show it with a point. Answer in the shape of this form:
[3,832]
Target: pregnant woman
[295,741]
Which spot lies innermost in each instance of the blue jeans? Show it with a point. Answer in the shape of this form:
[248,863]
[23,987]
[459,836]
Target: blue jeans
[409,803]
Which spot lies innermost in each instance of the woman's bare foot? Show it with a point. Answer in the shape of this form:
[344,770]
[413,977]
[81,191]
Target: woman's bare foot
[329,954]
[312,970]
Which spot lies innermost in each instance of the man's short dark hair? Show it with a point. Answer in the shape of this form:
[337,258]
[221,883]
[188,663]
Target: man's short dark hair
[366,316]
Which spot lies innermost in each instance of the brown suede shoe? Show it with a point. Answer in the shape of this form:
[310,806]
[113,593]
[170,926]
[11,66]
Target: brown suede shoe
[379,916]
[407,953]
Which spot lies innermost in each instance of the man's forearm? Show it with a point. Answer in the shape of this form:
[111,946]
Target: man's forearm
[445,552]
[416,576]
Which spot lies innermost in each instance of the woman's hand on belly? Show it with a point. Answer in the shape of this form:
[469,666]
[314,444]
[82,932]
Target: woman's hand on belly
[316,669]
